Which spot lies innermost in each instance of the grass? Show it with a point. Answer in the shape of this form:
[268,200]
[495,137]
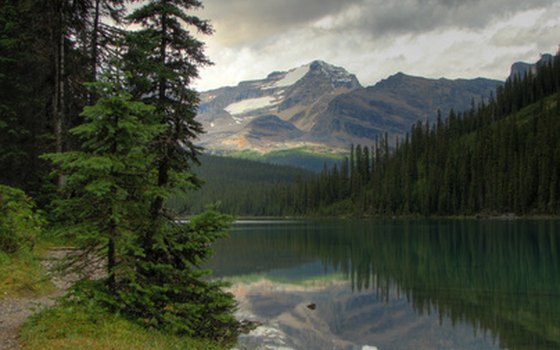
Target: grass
[21,275]
[301,157]
[80,327]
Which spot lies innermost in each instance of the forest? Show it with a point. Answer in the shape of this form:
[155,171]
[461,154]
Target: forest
[97,130]
[500,157]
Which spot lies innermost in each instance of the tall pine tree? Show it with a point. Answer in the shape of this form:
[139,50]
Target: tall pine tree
[169,289]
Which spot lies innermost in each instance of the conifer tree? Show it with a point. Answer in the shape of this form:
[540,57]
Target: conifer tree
[165,58]
[168,289]
[104,195]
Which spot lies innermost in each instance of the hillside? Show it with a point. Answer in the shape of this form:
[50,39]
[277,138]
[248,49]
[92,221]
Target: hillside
[503,157]
[240,186]
[394,104]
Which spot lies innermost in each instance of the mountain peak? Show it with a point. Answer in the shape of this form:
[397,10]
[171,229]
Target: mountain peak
[339,77]
[522,68]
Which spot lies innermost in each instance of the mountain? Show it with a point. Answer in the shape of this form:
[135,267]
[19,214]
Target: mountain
[522,68]
[324,108]
[272,113]
[393,105]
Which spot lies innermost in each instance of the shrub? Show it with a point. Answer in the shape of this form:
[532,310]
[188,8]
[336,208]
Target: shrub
[20,223]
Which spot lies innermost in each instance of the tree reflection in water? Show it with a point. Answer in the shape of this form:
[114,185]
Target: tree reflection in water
[502,277]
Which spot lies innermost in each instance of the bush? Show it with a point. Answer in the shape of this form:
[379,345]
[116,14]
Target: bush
[20,223]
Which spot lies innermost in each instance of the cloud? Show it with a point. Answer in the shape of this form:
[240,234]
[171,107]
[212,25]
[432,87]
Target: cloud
[376,38]
[244,22]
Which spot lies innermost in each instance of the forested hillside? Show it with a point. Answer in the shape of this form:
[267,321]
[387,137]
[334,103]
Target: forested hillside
[502,156]
[239,186]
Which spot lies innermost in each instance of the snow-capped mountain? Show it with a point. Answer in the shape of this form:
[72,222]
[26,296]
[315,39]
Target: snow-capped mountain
[295,99]
[325,108]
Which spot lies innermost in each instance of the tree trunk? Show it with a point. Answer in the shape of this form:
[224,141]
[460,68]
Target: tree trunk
[111,261]
[94,49]
[59,88]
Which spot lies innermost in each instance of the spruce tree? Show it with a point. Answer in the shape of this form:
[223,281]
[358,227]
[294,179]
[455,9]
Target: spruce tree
[107,180]
[169,290]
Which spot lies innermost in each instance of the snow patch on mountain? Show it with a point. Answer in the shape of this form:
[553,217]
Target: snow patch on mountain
[292,77]
[251,104]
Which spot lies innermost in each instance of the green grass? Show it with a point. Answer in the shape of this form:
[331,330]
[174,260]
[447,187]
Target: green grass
[246,154]
[307,151]
[81,327]
[21,275]
[77,327]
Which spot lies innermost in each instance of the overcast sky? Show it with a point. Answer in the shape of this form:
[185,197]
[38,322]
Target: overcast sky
[377,38]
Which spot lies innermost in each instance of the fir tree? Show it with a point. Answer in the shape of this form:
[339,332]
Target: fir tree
[168,289]
[104,197]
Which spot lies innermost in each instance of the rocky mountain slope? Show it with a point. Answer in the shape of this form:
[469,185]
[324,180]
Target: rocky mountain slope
[393,105]
[522,68]
[325,108]
[273,113]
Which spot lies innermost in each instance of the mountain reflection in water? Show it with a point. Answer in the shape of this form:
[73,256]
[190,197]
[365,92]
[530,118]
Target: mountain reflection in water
[501,279]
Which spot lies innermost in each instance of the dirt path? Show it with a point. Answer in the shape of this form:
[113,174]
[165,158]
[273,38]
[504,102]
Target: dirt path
[14,312]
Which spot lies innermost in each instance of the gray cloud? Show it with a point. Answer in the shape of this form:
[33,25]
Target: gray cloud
[239,22]
[379,17]
[244,22]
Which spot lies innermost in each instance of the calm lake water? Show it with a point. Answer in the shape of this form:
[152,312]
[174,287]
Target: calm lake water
[427,284]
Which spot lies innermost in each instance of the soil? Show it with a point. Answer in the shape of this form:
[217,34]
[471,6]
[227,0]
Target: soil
[15,311]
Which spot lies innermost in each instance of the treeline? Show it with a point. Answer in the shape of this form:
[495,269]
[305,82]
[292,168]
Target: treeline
[501,156]
[239,186]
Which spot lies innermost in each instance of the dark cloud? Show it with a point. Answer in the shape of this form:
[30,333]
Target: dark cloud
[243,22]
[380,17]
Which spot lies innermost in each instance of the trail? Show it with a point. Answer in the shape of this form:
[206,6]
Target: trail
[15,311]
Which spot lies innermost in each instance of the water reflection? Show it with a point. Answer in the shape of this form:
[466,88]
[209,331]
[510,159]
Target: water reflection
[501,277]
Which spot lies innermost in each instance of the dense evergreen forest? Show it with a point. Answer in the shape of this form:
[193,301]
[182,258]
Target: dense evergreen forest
[238,186]
[502,156]
[97,125]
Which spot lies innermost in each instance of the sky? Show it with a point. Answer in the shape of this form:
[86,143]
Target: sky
[376,38]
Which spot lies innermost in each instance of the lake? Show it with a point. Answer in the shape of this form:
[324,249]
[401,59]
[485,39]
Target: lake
[395,284]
